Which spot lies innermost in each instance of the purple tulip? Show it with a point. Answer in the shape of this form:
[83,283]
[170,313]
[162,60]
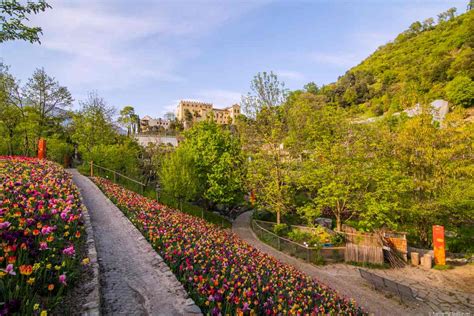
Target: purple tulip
[4,225]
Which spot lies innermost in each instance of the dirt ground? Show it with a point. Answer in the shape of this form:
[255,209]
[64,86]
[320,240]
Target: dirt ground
[437,291]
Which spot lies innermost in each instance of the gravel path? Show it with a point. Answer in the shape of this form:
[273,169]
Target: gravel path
[134,279]
[343,278]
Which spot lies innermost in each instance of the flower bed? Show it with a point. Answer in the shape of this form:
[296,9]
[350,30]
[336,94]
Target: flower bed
[223,274]
[40,230]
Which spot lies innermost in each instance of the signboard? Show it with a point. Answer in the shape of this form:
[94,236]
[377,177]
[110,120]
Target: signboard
[42,148]
[439,245]
[252,197]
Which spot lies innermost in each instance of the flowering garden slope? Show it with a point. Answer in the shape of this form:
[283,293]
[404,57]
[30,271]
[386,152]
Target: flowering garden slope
[40,229]
[223,274]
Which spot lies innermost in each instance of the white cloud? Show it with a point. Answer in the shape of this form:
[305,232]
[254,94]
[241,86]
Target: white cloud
[290,75]
[110,45]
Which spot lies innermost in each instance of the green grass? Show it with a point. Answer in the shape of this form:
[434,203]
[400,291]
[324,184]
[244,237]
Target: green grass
[195,210]
[369,265]
[443,267]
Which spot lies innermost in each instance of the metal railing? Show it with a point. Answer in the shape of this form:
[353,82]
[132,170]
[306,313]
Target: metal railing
[152,191]
[115,176]
[315,255]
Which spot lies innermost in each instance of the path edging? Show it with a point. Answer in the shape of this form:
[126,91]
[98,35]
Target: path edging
[92,307]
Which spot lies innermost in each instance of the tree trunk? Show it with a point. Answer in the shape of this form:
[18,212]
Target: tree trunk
[10,143]
[338,223]
[278,216]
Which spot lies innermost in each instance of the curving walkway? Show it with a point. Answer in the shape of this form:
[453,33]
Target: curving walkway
[134,279]
[343,278]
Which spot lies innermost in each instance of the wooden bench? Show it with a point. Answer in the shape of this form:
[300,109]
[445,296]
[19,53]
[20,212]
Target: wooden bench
[381,283]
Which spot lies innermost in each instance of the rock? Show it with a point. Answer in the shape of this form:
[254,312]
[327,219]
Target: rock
[193,309]
[325,222]
[427,261]
[415,258]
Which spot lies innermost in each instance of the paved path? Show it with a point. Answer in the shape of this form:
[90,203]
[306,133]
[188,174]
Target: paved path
[134,279]
[343,278]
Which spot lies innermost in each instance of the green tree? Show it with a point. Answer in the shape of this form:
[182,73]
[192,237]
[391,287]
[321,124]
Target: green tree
[437,161]
[311,87]
[122,156]
[460,91]
[129,119]
[345,169]
[13,17]
[266,91]
[218,161]
[20,121]
[93,124]
[334,174]
[10,115]
[188,118]
[170,116]
[50,100]
[178,177]
[58,149]
[263,134]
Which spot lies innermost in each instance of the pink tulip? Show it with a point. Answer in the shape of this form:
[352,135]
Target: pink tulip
[62,279]
[69,251]
[10,270]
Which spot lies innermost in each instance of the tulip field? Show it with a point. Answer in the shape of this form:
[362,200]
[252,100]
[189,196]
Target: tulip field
[40,230]
[223,274]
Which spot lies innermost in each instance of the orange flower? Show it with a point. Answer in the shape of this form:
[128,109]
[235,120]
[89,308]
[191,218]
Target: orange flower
[26,269]
[50,238]
[23,246]
[50,287]
[11,259]
[78,234]
[36,232]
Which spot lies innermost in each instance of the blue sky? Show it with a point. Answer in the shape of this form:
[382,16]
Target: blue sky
[151,54]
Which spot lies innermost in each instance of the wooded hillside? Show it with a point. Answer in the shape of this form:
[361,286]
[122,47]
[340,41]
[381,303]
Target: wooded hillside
[423,63]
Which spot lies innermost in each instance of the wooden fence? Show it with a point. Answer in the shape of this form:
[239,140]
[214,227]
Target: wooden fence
[375,247]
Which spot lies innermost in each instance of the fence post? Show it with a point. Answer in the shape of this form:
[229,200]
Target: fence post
[115,177]
[92,168]
[141,188]
[279,245]
[307,254]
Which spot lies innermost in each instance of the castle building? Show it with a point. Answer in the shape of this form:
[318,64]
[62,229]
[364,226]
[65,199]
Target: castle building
[199,111]
[148,124]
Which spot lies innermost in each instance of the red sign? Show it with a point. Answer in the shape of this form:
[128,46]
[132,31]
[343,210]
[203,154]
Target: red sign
[252,197]
[439,245]
[42,148]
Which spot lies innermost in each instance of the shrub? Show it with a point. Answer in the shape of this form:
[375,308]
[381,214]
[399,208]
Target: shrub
[299,235]
[280,229]
[58,150]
